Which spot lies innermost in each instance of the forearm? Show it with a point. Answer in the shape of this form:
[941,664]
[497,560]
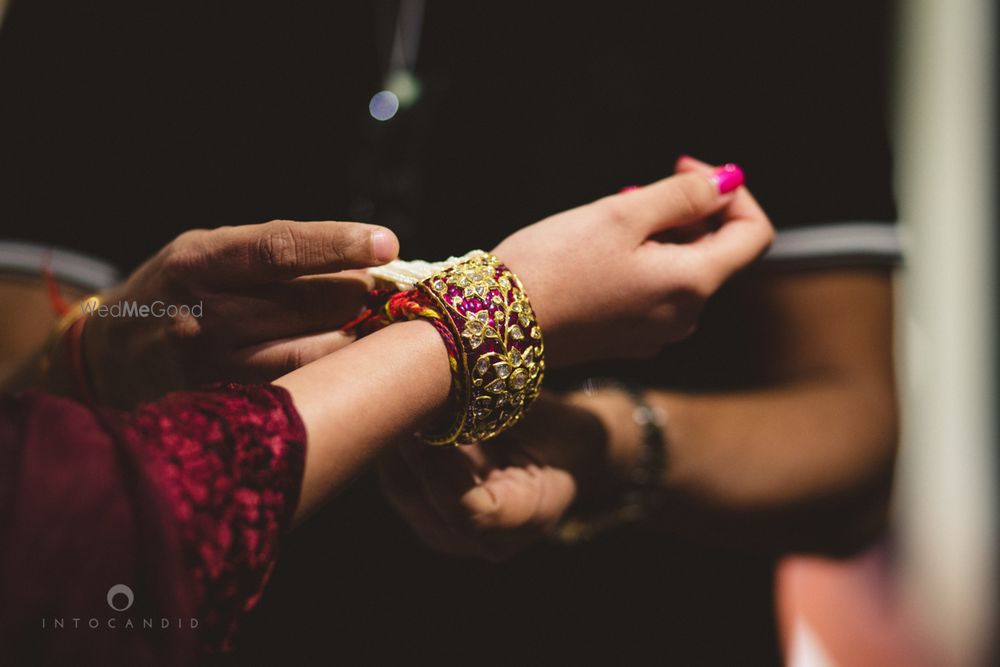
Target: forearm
[803,465]
[361,398]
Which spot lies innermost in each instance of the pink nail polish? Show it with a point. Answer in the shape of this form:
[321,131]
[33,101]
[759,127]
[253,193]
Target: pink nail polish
[727,178]
[628,188]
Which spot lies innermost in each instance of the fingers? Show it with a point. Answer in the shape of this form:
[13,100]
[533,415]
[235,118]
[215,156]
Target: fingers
[459,503]
[451,485]
[279,250]
[714,255]
[742,205]
[269,361]
[292,308]
[672,202]
[745,232]
[734,246]
[450,502]
[405,492]
[530,500]
[508,507]
[686,163]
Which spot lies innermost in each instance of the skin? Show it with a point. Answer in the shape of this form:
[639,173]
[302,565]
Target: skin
[809,454]
[358,401]
[260,308]
[346,429]
[798,455]
[27,318]
[272,295]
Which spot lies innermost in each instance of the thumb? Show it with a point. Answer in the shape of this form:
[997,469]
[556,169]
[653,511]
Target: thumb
[686,164]
[678,200]
[745,232]
[282,250]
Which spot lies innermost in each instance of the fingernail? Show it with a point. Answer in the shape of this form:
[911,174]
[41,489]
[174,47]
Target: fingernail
[629,188]
[684,156]
[727,178]
[384,245]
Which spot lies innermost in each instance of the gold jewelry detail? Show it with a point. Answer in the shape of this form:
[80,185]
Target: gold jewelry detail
[78,310]
[502,353]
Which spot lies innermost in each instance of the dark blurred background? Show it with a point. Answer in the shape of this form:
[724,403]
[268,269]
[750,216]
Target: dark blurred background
[123,124]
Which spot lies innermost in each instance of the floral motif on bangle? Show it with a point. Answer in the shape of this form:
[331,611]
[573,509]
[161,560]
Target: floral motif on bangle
[502,343]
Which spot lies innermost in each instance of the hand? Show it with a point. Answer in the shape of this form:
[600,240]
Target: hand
[610,279]
[268,305]
[491,501]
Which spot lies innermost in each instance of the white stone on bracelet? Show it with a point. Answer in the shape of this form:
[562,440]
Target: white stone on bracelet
[406,274]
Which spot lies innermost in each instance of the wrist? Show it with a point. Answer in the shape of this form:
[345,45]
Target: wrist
[62,365]
[614,409]
[438,399]
[493,340]
[635,463]
[93,353]
[538,286]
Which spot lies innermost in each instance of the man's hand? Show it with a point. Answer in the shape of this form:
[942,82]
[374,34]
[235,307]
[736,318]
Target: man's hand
[268,297]
[493,500]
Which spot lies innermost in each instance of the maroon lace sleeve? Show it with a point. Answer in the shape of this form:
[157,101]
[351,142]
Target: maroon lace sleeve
[230,462]
[182,501]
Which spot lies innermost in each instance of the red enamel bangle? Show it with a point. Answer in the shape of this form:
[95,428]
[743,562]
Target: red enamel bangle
[494,343]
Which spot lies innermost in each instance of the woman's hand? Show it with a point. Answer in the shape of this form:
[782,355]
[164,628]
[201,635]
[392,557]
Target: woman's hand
[616,278]
[267,299]
[612,279]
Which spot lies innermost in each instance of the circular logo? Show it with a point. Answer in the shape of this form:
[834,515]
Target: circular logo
[120,589]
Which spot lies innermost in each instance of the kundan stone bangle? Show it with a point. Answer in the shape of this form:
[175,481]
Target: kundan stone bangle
[501,360]
[494,343]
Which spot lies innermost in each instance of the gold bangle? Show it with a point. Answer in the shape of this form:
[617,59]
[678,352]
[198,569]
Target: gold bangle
[501,354]
[78,310]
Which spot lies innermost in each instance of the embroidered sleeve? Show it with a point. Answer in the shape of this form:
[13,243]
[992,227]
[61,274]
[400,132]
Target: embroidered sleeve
[230,461]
